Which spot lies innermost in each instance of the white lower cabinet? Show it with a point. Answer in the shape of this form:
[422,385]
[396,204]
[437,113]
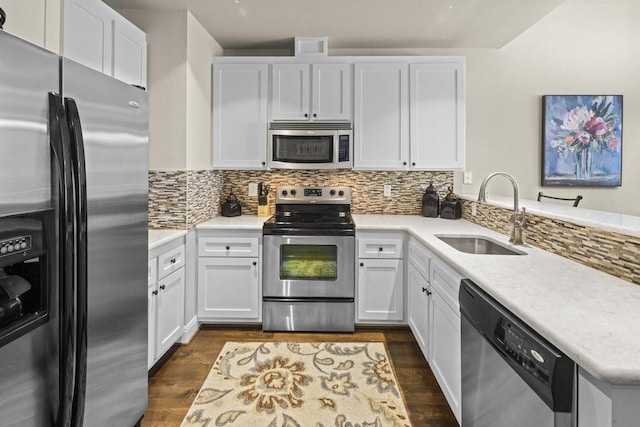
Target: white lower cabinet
[380,278]
[419,307]
[229,276]
[229,288]
[434,318]
[165,298]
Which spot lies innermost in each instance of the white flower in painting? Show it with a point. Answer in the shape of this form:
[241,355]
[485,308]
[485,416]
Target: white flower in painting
[576,119]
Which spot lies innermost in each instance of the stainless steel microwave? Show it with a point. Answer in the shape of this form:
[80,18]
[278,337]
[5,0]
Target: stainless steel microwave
[310,145]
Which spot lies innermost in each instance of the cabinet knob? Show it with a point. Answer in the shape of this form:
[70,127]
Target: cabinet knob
[306,115]
[404,163]
[154,293]
[162,287]
[362,264]
[264,163]
[255,263]
[413,163]
[227,247]
[380,249]
[315,115]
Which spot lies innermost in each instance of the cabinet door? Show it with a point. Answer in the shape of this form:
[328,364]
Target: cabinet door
[380,295]
[239,116]
[445,360]
[290,92]
[88,33]
[228,288]
[170,311]
[418,307]
[152,309]
[381,117]
[331,92]
[129,53]
[437,116]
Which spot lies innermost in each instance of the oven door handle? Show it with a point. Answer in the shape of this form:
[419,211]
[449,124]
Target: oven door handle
[314,299]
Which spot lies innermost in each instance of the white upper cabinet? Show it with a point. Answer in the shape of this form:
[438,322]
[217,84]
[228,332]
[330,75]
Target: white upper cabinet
[98,37]
[381,116]
[88,34]
[239,116]
[129,52]
[410,116]
[437,115]
[310,92]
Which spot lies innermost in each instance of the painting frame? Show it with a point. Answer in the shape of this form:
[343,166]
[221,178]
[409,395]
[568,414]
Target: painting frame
[581,140]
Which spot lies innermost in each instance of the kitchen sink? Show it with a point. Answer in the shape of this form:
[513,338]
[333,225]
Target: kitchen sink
[480,245]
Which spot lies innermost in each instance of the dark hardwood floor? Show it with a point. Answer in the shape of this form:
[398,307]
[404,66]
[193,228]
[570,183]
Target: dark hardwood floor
[174,386]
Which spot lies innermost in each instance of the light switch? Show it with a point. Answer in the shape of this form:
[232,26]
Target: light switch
[387,190]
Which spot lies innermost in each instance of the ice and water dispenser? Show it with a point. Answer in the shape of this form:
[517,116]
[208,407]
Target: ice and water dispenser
[25,272]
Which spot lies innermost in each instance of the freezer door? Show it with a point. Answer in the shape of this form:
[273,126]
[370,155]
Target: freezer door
[114,124]
[28,365]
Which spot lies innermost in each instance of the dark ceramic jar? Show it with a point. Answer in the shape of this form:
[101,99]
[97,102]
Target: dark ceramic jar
[430,202]
[451,207]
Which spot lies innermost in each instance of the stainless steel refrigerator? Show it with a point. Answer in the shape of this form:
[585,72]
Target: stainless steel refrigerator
[73,243]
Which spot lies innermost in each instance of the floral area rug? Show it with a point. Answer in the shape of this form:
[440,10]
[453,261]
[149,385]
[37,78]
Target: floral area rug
[276,384]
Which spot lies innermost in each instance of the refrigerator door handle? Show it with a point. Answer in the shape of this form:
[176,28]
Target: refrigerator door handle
[60,147]
[80,186]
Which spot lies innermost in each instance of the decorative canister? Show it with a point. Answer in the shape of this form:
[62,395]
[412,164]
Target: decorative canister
[231,207]
[451,207]
[430,202]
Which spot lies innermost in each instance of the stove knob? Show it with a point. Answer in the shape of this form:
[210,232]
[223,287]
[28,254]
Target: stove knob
[293,192]
[332,192]
[284,192]
[340,193]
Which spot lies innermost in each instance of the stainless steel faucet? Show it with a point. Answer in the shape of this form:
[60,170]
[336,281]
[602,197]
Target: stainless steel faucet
[518,220]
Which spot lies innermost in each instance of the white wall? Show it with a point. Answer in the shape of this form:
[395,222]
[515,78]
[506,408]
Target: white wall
[37,21]
[179,78]
[582,47]
[200,48]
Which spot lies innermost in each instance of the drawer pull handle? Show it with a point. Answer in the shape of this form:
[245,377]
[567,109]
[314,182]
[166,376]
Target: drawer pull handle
[426,291]
[173,260]
[362,264]
[154,293]
[227,247]
[162,287]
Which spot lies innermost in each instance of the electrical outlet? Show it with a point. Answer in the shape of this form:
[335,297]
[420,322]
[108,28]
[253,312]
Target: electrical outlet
[387,190]
[474,208]
[253,189]
[467,178]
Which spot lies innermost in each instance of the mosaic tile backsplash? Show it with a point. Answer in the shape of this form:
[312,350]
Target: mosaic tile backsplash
[183,199]
[613,253]
[366,187]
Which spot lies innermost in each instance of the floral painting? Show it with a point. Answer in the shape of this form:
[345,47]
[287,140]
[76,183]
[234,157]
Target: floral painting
[582,140]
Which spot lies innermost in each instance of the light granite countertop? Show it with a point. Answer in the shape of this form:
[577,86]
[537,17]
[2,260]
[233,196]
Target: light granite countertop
[601,220]
[589,315]
[160,237]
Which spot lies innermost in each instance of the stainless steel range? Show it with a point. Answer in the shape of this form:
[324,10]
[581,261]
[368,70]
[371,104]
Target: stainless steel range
[309,255]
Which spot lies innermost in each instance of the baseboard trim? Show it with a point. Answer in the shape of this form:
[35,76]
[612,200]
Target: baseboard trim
[189,330]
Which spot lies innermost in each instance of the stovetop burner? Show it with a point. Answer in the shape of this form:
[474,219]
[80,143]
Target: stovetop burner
[301,209]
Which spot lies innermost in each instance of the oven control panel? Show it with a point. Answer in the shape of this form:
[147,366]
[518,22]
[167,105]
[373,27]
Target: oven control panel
[302,195]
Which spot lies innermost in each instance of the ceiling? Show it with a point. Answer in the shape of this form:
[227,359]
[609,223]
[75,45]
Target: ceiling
[356,24]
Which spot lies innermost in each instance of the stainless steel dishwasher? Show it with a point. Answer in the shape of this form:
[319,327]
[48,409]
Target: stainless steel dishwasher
[511,376]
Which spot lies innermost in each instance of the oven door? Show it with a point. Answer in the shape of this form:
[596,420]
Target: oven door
[308,266]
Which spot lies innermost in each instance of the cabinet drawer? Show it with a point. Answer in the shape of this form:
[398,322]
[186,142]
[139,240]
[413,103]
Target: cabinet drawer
[228,247]
[152,272]
[420,258]
[170,261]
[380,248]
[447,282]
